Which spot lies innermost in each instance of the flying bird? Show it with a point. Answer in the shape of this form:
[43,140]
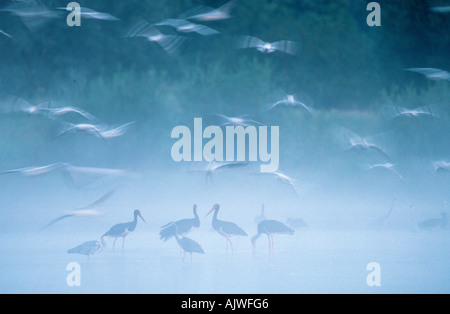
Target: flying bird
[293,101]
[87,13]
[269,228]
[4,33]
[36,171]
[180,227]
[184,26]
[352,142]
[423,111]
[208,14]
[440,9]
[432,73]
[281,177]
[214,167]
[100,131]
[58,112]
[88,248]
[32,13]
[441,166]
[243,120]
[389,167]
[225,228]
[170,43]
[286,46]
[88,211]
[123,229]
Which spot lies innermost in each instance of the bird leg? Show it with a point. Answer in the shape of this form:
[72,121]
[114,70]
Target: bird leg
[271,237]
[114,245]
[123,245]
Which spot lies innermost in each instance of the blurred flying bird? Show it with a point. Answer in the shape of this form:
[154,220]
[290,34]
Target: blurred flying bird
[214,166]
[88,211]
[294,102]
[32,13]
[296,223]
[208,14]
[183,26]
[269,228]
[225,228]
[189,246]
[88,248]
[283,179]
[100,131]
[170,43]
[441,166]
[243,120]
[37,171]
[87,13]
[440,9]
[180,227]
[423,111]
[4,33]
[57,112]
[123,229]
[390,167]
[358,143]
[14,104]
[72,174]
[286,46]
[261,216]
[431,73]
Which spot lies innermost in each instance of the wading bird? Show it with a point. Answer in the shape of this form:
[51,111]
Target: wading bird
[432,73]
[286,46]
[123,229]
[88,211]
[183,26]
[88,248]
[269,228]
[170,43]
[261,216]
[188,246]
[225,228]
[181,227]
[380,222]
[208,14]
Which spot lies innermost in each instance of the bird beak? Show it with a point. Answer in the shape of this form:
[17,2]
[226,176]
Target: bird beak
[142,218]
[213,209]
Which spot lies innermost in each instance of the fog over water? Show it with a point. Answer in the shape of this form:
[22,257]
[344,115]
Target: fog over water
[364,151]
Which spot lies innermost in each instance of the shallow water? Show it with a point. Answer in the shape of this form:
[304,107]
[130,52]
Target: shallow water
[312,261]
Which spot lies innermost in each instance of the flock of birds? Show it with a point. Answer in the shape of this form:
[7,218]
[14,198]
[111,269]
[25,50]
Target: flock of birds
[169,34]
